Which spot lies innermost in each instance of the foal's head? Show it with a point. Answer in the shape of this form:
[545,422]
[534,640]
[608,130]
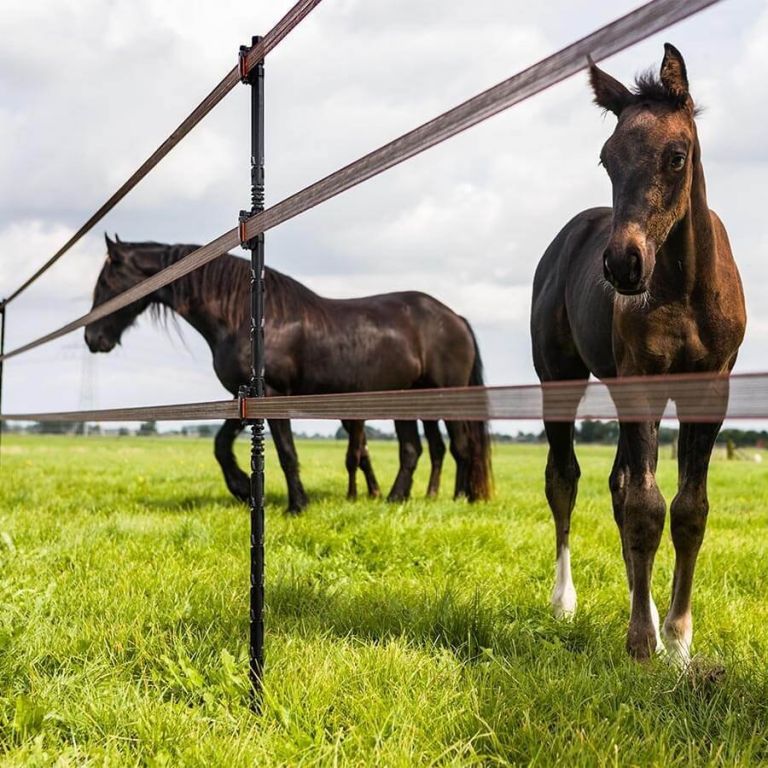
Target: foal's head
[649,160]
[126,265]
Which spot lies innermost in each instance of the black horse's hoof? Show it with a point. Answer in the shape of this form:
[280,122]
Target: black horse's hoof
[240,488]
[298,503]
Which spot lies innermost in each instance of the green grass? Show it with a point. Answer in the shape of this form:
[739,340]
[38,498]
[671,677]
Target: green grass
[397,635]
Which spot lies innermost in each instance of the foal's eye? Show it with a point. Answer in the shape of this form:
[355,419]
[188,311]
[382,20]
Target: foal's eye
[677,163]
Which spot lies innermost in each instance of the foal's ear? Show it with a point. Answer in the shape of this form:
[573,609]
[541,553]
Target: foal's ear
[673,74]
[609,93]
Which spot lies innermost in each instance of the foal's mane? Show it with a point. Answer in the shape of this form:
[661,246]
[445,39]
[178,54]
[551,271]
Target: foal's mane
[648,87]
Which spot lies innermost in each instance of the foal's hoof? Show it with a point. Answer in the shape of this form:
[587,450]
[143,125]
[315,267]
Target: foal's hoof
[641,644]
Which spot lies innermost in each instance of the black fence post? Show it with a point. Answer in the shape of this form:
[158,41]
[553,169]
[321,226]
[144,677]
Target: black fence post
[255,388]
[2,352]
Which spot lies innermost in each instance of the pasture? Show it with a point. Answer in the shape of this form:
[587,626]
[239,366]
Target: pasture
[416,634]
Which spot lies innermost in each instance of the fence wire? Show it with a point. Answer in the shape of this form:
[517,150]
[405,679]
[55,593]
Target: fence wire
[608,40]
[291,19]
[690,397]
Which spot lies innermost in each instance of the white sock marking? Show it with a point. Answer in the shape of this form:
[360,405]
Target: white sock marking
[654,619]
[564,593]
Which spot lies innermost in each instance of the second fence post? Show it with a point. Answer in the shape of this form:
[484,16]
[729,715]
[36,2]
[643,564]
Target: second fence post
[255,388]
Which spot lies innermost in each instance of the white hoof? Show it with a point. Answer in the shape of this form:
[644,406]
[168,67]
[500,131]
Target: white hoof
[677,644]
[564,603]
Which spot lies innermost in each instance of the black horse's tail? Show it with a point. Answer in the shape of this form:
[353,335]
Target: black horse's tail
[480,475]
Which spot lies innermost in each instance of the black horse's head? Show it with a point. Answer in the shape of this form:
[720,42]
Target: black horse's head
[650,159]
[127,264]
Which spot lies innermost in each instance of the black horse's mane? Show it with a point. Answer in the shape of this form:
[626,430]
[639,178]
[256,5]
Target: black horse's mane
[225,281]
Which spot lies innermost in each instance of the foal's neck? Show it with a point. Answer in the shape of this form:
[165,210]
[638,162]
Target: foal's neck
[691,247]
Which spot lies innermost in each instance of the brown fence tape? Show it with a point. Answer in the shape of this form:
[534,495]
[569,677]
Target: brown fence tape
[610,39]
[606,41]
[692,397]
[291,19]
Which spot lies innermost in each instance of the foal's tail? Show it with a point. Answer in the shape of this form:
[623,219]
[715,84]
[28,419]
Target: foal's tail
[480,480]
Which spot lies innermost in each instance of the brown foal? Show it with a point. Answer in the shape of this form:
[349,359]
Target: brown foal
[648,286]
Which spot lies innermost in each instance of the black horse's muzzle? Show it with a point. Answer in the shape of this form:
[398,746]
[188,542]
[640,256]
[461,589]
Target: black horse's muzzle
[98,341]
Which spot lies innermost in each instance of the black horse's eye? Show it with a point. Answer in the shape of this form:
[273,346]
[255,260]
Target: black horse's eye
[677,163]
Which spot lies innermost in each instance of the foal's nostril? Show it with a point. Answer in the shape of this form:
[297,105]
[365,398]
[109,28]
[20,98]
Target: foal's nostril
[635,266]
[606,269]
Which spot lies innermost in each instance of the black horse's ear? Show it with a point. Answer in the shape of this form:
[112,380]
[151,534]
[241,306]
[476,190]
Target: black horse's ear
[113,251]
[674,75]
[610,94]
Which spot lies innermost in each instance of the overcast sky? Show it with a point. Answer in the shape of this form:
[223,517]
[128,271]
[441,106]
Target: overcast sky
[90,88]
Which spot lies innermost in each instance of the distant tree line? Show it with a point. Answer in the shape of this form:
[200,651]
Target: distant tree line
[588,431]
[371,433]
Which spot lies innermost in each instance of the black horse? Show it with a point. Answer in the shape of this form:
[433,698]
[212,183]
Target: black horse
[314,345]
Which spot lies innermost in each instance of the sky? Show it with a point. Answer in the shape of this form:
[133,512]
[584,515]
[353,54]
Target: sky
[89,89]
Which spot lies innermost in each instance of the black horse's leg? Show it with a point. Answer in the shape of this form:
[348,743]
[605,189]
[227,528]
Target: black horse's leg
[410,450]
[354,447]
[367,469]
[460,451]
[436,454]
[289,461]
[237,481]
[688,515]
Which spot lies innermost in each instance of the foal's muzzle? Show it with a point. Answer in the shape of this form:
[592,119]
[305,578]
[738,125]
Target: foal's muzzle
[623,269]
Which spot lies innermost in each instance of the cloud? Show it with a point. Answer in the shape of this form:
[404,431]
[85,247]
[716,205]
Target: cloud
[466,221]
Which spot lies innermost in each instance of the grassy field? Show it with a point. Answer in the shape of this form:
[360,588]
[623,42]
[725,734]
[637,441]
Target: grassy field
[397,635]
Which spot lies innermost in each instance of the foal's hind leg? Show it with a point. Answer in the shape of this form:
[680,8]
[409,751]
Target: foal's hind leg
[238,483]
[688,513]
[562,483]
[436,455]
[410,450]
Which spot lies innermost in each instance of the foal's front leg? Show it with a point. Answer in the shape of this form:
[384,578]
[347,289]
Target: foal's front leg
[642,523]
[619,482]
[688,514]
